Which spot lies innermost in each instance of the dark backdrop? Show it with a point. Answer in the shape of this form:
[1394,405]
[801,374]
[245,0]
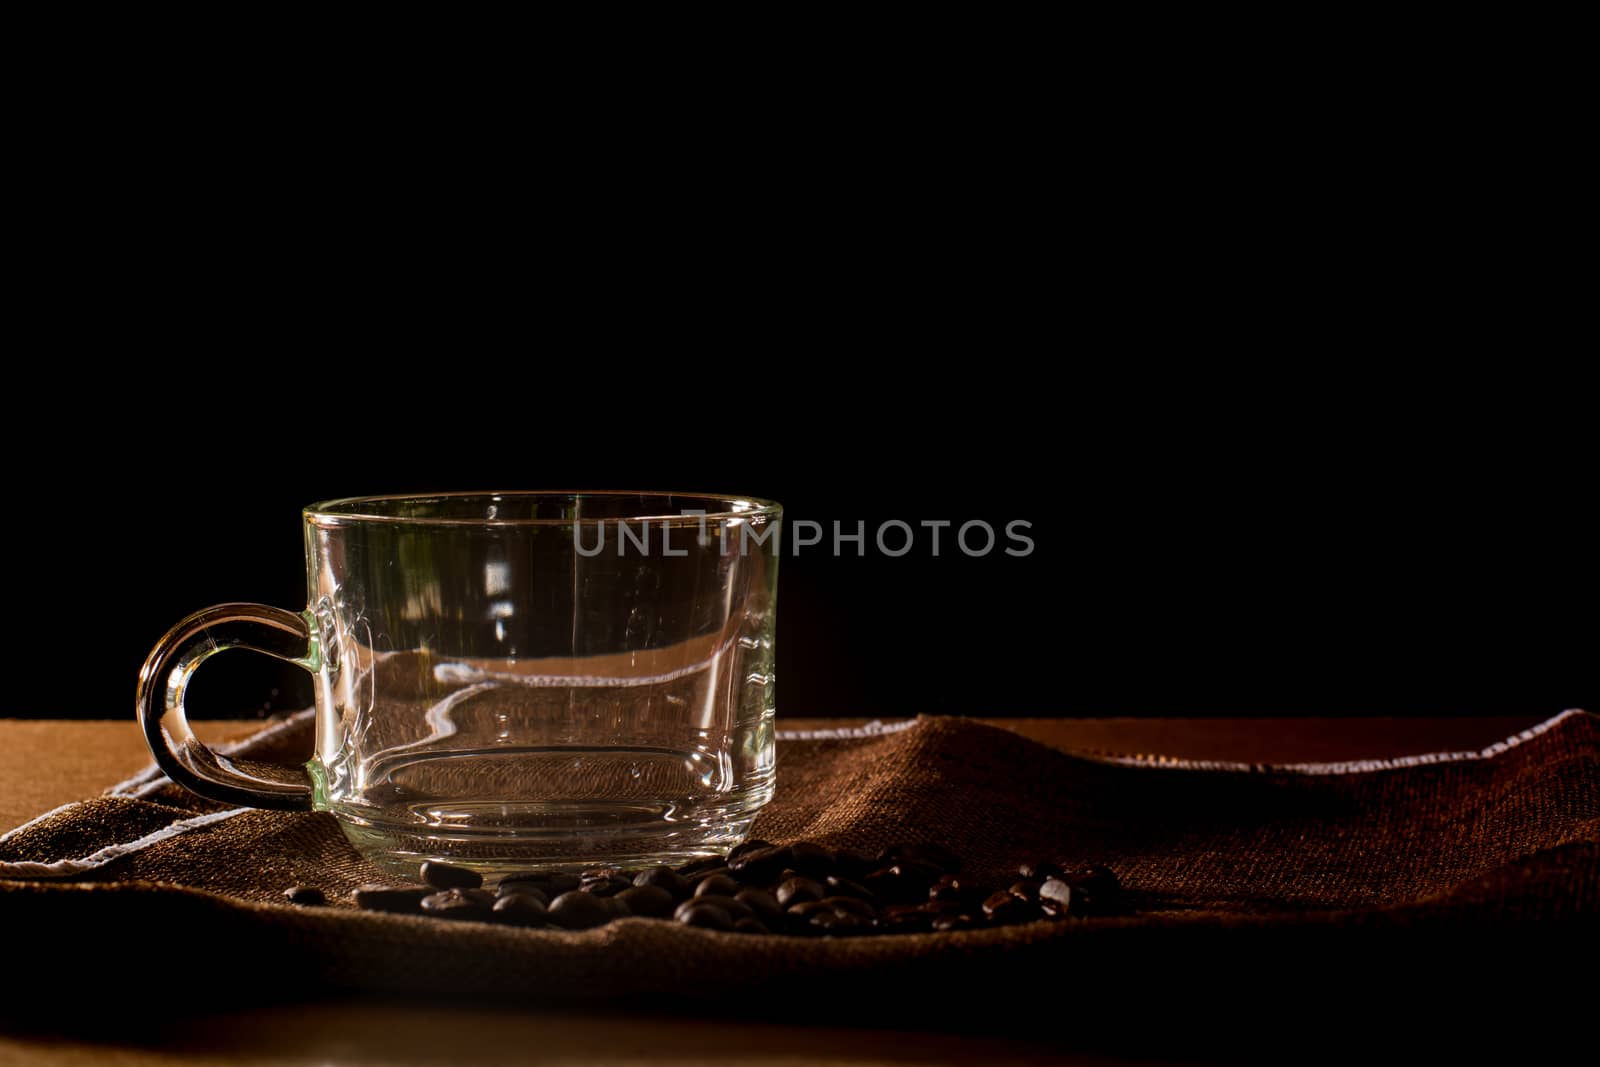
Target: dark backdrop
[1365,554]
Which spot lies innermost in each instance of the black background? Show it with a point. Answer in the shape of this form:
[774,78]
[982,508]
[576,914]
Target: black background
[1205,545]
[1291,404]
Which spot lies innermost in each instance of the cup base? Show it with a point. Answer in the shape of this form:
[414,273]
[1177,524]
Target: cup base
[399,852]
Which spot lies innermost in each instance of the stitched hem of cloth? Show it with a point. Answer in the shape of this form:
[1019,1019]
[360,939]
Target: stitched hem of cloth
[1160,762]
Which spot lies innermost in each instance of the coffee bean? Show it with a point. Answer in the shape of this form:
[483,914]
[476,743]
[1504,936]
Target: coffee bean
[388,898]
[850,906]
[755,844]
[718,885]
[520,909]
[820,891]
[834,923]
[902,882]
[910,918]
[949,889]
[703,913]
[759,866]
[736,908]
[444,876]
[850,864]
[305,895]
[800,890]
[551,883]
[577,910]
[1056,898]
[762,903]
[934,855]
[649,900]
[813,861]
[1088,891]
[1003,907]
[700,866]
[848,888]
[1039,870]
[606,887]
[459,903]
[523,889]
[665,878]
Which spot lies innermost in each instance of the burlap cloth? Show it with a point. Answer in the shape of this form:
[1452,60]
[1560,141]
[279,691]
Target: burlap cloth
[1251,883]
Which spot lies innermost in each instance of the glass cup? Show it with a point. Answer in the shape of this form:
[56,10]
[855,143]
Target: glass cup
[512,681]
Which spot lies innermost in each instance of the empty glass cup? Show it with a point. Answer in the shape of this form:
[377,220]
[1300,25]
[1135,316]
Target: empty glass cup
[512,680]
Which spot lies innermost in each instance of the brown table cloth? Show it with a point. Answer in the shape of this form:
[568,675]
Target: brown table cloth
[1253,885]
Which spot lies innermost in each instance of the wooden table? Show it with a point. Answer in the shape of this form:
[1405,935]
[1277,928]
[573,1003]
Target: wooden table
[45,763]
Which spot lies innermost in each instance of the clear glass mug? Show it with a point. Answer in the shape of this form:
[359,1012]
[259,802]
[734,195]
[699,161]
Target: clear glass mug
[510,681]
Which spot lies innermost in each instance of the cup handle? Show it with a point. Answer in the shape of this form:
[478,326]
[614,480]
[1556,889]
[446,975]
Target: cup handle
[165,678]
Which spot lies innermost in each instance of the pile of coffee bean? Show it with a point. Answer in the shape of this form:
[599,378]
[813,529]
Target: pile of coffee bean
[762,888]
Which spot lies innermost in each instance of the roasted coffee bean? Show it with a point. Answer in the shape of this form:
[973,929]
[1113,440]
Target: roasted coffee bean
[307,895]
[717,885]
[1093,892]
[840,922]
[819,891]
[700,866]
[755,844]
[551,883]
[604,881]
[1038,871]
[577,910]
[444,876]
[665,878]
[736,908]
[927,852]
[1003,907]
[813,861]
[459,903]
[520,909]
[799,891]
[807,908]
[523,889]
[606,887]
[759,866]
[850,864]
[910,918]
[848,888]
[851,906]
[762,903]
[389,898]
[1058,899]
[699,912]
[902,882]
[649,900]
[949,889]
[924,874]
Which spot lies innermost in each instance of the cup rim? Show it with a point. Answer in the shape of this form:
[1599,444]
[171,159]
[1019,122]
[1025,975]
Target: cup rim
[344,511]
